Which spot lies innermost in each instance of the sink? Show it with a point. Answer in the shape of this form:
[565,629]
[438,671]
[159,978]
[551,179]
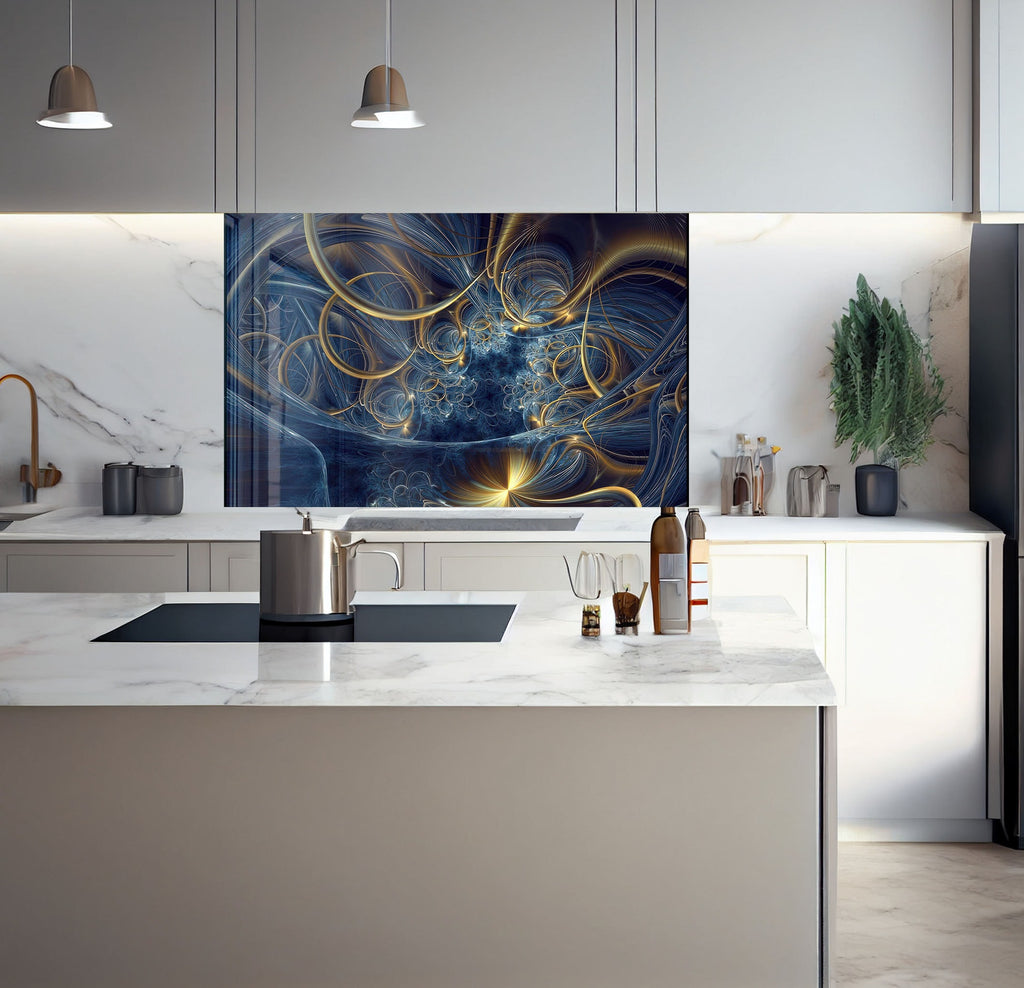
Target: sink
[240,622]
[19,512]
[472,520]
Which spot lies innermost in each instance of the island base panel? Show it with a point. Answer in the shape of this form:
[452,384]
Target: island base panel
[419,847]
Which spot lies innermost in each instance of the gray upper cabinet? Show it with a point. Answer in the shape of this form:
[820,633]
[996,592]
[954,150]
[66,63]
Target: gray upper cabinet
[153,69]
[999,107]
[519,101]
[799,105]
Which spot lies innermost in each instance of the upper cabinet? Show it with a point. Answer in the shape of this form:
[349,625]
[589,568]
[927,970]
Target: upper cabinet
[571,105]
[804,106]
[999,106]
[153,69]
[519,101]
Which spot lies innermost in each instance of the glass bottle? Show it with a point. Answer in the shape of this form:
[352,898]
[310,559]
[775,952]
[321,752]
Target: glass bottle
[743,477]
[668,573]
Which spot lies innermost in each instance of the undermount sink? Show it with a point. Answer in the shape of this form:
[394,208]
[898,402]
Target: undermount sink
[19,512]
[443,520]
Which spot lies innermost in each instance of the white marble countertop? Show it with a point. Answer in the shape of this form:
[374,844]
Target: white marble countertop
[752,652]
[595,525]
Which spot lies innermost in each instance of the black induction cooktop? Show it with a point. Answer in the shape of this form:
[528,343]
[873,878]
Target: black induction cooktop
[240,622]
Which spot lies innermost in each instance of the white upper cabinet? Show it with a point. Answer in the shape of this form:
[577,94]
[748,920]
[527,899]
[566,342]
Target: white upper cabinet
[519,101]
[999,106]
[804,106]
[153,69]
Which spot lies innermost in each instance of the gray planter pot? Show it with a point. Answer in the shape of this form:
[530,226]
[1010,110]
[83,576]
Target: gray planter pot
[878,489]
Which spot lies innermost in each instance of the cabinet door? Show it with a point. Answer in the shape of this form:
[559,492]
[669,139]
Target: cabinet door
[236,566]
[1008,94]
[795,572]
[911,735]
[153,69]
[513,565]
[518,99]
[148,567]
[800,105]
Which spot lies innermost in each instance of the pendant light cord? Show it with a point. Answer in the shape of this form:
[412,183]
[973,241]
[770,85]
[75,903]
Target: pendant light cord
[387,52]
[71,32]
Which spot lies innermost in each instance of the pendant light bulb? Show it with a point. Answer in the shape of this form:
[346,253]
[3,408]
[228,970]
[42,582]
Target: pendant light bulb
[72,102]
[385,102]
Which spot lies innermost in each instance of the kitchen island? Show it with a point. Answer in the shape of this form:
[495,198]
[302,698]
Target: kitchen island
[544,810]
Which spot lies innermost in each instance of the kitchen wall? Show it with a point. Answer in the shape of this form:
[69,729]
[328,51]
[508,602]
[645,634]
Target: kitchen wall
[117,320]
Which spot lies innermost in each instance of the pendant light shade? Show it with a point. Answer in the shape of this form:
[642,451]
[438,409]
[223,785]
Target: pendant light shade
[385,102]
[72,103]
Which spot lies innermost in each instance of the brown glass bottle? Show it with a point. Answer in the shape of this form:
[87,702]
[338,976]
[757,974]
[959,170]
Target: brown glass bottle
[668,572]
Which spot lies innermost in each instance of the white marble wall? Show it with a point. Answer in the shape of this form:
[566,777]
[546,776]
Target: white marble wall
[118,322]
[764,292]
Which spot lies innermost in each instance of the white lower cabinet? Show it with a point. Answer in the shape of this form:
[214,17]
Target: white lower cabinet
[513,565]
[794,571]
[94,567]
[912,740]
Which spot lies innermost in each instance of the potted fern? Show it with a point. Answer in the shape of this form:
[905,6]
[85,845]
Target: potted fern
[886,393]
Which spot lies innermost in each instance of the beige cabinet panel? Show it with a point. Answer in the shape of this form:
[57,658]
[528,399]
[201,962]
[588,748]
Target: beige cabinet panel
[912,733]
[103,567]
[153,69]
[236,566]
[513,565]
[530,847]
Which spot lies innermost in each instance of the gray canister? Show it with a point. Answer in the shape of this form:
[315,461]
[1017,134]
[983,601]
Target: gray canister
[159,491]
[119,481]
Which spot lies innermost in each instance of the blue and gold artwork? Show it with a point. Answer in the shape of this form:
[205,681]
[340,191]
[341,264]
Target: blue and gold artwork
[399,360]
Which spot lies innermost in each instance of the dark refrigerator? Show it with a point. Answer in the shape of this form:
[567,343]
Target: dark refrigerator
[996,422]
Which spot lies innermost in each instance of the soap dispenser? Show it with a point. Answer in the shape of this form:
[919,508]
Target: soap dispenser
[668,573]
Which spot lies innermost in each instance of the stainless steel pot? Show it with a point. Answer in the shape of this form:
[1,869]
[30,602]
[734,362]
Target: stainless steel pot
[305,573]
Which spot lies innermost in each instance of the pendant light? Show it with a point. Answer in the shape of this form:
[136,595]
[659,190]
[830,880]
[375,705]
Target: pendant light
[385,103]
[72,104]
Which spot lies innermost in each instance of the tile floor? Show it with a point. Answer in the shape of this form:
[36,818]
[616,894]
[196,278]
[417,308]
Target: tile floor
[941,915]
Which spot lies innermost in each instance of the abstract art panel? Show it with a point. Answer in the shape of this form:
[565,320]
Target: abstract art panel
[399,360]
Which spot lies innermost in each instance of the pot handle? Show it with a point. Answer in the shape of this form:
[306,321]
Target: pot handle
[350,546]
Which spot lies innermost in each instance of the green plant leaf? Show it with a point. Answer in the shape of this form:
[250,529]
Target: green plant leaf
[885,390]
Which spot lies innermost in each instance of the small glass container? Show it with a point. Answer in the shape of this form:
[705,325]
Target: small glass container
[591,626]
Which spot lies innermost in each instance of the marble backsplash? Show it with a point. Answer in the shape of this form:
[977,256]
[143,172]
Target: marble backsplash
[118,321]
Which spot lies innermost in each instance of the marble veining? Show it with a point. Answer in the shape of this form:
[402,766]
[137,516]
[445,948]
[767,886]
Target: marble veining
[944,915]
[126,357]
[746,655]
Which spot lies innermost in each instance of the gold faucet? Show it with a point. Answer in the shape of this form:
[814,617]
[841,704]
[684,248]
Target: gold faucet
[30,476]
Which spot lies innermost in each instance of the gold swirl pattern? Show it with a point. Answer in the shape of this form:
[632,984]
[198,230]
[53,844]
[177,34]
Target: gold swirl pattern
[458,359]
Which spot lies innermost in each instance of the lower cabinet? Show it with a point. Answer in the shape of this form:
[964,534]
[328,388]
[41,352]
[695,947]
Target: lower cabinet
[100,567]
[794,571]
[236,566]
[912,738]
[513,565]
[902,628]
